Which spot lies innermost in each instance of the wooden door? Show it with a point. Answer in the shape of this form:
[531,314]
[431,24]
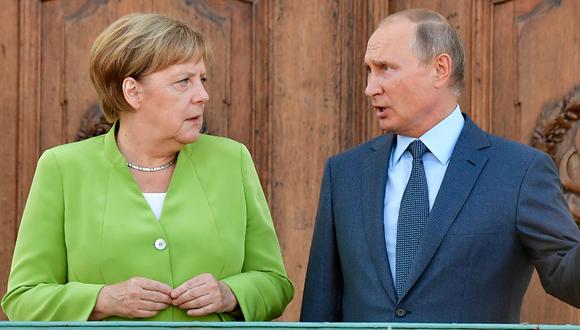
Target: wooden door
[536,77]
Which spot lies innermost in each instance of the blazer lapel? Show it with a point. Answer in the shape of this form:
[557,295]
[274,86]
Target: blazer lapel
[462,172]
[374,178]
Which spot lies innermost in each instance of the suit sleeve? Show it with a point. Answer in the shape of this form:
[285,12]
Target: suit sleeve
[262,288]
[38,289]
[322,299]
[548,232]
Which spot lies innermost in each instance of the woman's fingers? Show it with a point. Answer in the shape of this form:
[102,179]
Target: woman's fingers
[203,295]
[188,285]
[190,294]
[152,285]
[205,310]
[151,305]
[144,314]
[137,297]
[156,296]
[198,302]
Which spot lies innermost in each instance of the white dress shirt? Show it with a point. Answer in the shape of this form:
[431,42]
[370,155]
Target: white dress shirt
[155,201]
[440,140]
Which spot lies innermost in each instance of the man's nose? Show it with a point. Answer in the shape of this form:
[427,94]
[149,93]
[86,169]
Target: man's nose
[373,88]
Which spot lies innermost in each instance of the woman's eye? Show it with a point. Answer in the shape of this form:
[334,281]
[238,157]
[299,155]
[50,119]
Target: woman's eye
[183,82]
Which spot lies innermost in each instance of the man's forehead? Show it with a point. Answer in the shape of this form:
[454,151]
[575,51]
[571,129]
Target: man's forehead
[397,33]
[375,44]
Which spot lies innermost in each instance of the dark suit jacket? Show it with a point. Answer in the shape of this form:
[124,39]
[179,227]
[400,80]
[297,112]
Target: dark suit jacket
[499,212]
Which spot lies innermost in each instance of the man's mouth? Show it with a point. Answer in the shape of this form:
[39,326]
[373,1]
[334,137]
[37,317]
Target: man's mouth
[379,109]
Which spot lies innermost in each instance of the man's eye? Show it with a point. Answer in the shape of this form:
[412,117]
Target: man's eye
[203,79]
[386,68]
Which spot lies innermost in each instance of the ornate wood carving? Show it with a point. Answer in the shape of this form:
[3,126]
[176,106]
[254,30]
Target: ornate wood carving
[93,123]
[558,133]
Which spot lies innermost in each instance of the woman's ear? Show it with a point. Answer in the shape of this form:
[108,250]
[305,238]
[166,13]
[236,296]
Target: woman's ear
[443,66]
[132,92]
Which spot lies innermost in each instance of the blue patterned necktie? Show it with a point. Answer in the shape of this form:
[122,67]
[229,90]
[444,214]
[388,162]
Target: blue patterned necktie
[413,215]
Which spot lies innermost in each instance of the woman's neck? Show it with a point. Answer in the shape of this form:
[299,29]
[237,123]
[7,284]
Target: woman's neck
[143,148]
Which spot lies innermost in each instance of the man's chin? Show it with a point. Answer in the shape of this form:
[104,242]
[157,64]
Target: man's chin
[386,126]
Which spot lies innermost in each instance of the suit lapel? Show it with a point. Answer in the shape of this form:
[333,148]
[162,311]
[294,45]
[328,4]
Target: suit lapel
[464,167]
[373,181]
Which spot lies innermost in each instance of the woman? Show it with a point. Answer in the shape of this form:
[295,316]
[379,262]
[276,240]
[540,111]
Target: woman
[152,220]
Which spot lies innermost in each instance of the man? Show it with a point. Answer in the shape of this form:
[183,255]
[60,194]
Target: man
[436,221]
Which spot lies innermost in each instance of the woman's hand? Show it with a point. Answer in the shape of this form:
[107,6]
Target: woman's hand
[203,295]
[135,298]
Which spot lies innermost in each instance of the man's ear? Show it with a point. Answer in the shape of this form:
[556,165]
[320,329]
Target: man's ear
[132,92]
[443,66]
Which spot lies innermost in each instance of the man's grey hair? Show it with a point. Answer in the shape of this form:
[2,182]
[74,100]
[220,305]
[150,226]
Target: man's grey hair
[434,36]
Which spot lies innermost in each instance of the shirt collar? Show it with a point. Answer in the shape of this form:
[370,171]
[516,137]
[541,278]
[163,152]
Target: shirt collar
[440,139]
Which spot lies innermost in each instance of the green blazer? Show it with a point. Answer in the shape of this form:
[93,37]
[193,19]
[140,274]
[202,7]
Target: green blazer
[86,224]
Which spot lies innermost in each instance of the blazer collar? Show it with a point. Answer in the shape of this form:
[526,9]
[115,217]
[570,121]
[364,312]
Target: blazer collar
[114,155]
[111,149]
[373,182]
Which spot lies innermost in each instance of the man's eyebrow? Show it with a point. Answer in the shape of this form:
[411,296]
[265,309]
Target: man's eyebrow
[379,63]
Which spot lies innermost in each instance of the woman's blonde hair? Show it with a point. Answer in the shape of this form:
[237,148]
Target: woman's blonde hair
[134,46]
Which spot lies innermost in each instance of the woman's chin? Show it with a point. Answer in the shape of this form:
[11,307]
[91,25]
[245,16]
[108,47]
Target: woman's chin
[189,137]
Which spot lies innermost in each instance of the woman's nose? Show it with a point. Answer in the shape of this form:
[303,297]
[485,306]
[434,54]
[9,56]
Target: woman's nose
[201,95]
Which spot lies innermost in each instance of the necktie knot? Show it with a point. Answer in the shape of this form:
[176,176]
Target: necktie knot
[417,149]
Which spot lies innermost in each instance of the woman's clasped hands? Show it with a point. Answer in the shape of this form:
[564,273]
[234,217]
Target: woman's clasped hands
[140,297]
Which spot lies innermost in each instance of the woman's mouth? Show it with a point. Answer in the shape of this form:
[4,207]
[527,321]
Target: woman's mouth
[193,118]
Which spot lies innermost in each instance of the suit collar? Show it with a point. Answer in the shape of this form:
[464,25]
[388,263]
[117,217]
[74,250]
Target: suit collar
[111,149]
[440,139]
[466,163]
[373,182]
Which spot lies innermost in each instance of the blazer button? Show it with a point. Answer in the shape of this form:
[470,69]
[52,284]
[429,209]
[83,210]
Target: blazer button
[160,244]
[401,312]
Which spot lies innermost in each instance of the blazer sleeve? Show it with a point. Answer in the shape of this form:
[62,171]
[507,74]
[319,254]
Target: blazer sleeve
[548,232]
[38,289]
[262,288]
[322,299]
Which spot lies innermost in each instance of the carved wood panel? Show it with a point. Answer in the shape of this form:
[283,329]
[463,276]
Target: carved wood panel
[557,133]
[546,44]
